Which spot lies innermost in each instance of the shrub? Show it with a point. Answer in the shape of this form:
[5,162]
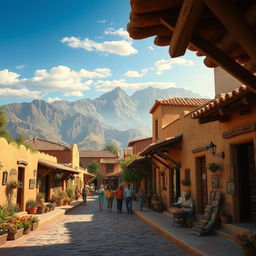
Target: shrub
[70,193]
[31,204]
[213,167]
[11,209]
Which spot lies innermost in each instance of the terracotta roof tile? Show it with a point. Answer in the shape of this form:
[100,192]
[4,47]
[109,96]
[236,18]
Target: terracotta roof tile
[41,144]
[225,98]
[131,143]
[178,101]
[100,154]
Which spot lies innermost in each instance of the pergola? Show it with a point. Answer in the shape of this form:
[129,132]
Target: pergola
[221,30]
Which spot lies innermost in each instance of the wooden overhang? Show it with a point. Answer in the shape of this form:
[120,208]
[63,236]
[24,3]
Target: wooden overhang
[224,31]
[56,166]
[240,100]
[157,150]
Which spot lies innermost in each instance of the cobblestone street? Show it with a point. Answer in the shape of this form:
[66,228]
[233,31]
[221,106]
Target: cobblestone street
[86,231]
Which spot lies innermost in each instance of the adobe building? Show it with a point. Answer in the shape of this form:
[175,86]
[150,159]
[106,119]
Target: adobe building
[109,170]
[56,177]
[22,166]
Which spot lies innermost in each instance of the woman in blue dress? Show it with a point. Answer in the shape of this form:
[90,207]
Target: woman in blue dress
[101,196]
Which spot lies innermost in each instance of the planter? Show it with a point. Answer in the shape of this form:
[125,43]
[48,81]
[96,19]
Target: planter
[225,219]
[59,201]
[249,250]
[27,231]
[3,238]
[32,210]
[15,236]
[34,226]
[66,203]
[40,209]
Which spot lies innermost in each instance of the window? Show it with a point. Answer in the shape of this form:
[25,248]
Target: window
[156,129]
[110,167]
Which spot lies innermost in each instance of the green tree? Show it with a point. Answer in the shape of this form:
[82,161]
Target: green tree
[3,121]
[93,167]
[112,148]
[129,174]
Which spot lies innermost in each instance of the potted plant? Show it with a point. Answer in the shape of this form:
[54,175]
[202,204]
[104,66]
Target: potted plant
[3,233]
[65,201]
[225,218]
[12,184]
[26,224]
[185,182]
[248,242]
[40,209]
[31,206]
[60,198]
[213,167]
[34,222]
[14,229]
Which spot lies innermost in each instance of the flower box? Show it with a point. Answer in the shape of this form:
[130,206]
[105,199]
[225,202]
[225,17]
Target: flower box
[34,226]
[15,236]
[3,238]
[27,231]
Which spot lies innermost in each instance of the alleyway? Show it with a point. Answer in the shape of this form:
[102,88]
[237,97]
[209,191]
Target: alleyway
[86,231]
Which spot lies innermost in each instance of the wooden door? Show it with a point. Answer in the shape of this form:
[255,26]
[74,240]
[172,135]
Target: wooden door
[202,176]
[20,189]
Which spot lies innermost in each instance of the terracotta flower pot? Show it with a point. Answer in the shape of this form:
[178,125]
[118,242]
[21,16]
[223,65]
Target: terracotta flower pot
[15,236]
[3,238]
[32,210]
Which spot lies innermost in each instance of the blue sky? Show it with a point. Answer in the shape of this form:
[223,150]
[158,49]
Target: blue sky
[63,49]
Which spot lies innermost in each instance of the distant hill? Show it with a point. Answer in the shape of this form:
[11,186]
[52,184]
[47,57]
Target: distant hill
[114,117]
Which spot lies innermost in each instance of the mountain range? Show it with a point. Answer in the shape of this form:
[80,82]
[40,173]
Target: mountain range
[114,117]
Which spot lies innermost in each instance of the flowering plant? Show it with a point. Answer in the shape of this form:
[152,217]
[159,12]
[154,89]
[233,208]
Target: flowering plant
[247,238]
[3,228]
[11,228]
[33,219]
[25,222]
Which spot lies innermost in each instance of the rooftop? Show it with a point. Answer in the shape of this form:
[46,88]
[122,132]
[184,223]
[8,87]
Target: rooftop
[42,144]
[222,31]
[178,101]
[131,143]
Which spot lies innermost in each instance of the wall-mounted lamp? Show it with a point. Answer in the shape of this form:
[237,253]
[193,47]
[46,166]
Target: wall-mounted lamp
[213,148]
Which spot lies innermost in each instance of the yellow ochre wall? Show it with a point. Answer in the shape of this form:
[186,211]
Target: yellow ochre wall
[197,135]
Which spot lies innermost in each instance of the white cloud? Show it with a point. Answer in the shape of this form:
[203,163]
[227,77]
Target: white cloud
[50,100]
[101,21]
[151,48]
[120,32]
[163,65]
[74,94]
[21,67]
[8,78]
[136,74]
[54,79]
[107,85]
[123,48]
[20,93]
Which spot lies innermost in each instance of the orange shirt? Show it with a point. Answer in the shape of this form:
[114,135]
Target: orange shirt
[119,194]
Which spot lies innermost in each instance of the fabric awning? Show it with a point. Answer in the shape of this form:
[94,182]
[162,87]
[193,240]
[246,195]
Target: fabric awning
[165,144]
[57,166]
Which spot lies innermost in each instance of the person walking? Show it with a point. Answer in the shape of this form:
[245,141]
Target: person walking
[119,198]
[110,197]
[141,197]
[128,194]
[101,196]
[84,194]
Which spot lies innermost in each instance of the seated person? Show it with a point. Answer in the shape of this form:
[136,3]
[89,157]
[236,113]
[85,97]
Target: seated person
[186,203]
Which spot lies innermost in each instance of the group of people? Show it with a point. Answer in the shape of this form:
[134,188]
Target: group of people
[120,194]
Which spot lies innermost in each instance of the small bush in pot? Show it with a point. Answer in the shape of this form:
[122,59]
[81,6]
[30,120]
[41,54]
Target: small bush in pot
[213,167]
[40,209]
[31,206]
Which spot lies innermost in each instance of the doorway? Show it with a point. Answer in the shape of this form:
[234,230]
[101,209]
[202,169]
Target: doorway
[20,189]
[202,182]
[174,181]
[246,181]
[44,187]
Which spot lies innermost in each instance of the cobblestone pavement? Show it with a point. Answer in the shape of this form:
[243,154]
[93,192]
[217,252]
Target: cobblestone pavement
[87,231]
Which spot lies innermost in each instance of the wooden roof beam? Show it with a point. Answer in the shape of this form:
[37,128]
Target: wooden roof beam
[186,23]
[220,58]
[237,25]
